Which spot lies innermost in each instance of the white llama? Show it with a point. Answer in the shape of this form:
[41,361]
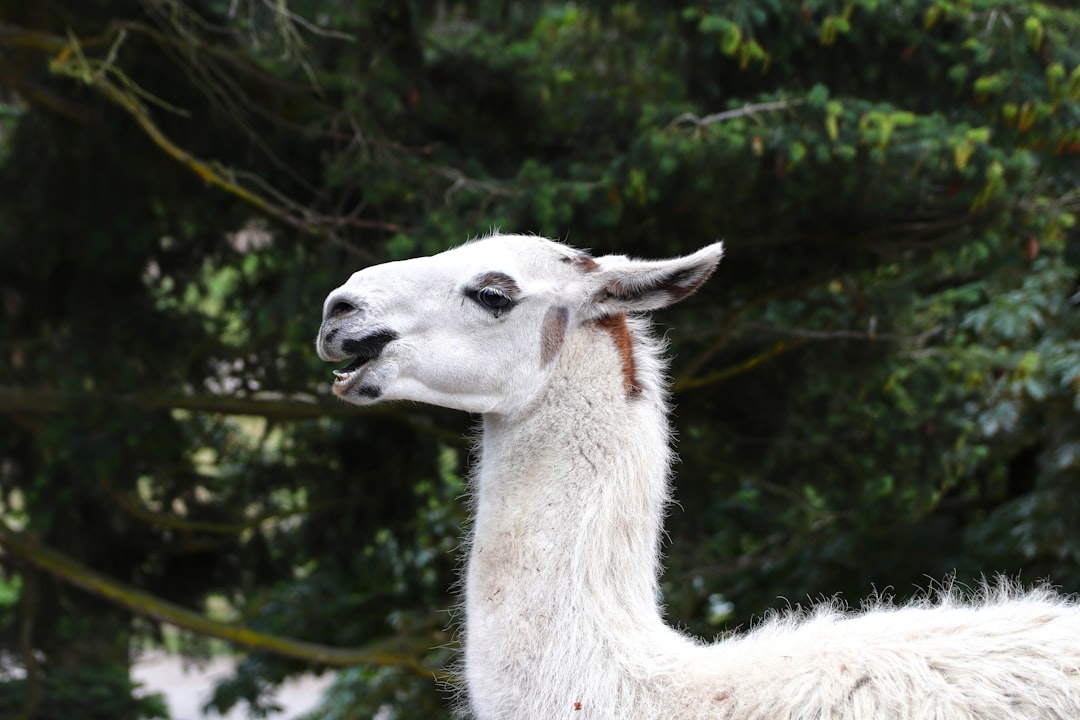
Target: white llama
[561,615]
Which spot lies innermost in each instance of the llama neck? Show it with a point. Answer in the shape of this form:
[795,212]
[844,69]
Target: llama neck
[570,497]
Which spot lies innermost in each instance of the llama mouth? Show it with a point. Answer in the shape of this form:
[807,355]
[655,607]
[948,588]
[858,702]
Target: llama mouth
[363,351]
[343,374]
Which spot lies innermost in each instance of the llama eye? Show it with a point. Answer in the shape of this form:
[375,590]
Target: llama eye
[493,299]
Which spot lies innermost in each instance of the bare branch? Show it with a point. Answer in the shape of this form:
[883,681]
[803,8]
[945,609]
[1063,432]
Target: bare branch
[462,182]
[280,8]
[750,109]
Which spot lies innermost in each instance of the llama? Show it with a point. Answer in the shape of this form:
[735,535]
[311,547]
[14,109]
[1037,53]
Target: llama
[561,618]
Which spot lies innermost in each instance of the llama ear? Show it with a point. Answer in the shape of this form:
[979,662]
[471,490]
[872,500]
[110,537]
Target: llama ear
[623,285]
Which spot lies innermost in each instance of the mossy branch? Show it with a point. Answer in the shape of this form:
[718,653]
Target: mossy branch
[780,348]
[142,603]
[68,59]
[72,63]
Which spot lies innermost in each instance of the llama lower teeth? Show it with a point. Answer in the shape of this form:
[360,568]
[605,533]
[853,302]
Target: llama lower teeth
[349,370]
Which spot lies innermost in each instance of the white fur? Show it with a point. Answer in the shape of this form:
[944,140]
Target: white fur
[561,586]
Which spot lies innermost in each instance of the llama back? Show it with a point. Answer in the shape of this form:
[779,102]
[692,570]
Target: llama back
[999,655]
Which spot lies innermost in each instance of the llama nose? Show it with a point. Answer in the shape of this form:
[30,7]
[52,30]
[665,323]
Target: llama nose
[341,305]
[340,311]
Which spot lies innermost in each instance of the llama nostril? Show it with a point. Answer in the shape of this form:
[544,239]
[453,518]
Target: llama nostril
[341,308]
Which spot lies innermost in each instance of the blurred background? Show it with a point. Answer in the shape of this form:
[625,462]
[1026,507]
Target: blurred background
[879,389]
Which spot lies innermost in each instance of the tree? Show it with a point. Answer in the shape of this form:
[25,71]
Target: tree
[881,387]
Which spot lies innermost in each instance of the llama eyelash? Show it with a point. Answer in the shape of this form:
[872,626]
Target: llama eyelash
[492,299]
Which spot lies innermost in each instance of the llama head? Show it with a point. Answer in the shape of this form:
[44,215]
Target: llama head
[478,327]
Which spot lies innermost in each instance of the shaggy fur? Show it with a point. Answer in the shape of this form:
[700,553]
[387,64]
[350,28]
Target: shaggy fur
[569,495]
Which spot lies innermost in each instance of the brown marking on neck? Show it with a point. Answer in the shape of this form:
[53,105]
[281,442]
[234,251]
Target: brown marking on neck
[616,326]
[552,333]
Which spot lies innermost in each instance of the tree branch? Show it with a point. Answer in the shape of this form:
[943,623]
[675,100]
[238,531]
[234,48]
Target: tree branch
[801,336]
[280,407]
[104,76]
[145,604]
[780,348]
[731,323]
[73,65]
[25,401]
[749,109]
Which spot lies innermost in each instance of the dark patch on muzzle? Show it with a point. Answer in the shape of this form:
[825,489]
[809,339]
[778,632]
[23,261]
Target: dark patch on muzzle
[369,347]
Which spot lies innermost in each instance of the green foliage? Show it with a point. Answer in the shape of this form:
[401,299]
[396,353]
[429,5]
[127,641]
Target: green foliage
[882,384]
[93,692]
[384,693]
